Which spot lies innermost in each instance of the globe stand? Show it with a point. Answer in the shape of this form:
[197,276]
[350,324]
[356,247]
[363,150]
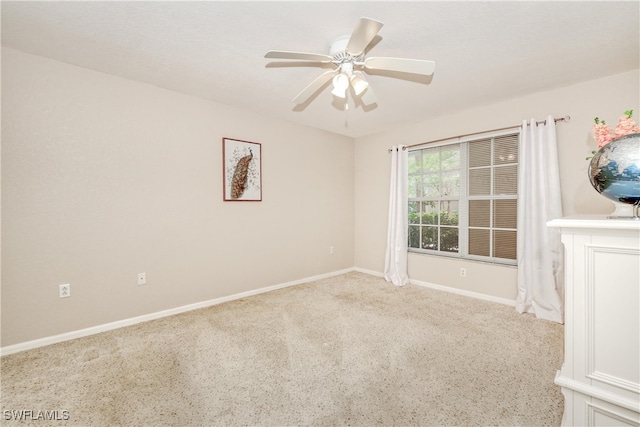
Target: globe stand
[635,216]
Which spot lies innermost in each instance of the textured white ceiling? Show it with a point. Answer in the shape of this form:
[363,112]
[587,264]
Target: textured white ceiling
[485,51]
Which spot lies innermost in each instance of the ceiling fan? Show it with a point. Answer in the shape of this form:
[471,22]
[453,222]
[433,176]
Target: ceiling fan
[347,58]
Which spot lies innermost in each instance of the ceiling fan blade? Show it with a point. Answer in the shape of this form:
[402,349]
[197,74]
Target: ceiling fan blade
[365,30]
[402,65]
[314,86]
[280,54]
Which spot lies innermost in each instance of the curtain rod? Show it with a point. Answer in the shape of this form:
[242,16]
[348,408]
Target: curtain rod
[559,119]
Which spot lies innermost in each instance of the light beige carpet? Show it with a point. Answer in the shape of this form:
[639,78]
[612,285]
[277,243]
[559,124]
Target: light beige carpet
[347,350]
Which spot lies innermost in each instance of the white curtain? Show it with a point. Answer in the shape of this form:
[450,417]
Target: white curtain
[395,263]
[540,251]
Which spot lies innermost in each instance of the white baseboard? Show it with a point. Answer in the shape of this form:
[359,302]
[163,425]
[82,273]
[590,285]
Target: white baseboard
[370,272]
[471,294]
[41,342]
[446,288]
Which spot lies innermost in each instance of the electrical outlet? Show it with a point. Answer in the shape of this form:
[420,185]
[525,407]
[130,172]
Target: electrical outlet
[142,278]
[332,250]
[463,272]
[64,291]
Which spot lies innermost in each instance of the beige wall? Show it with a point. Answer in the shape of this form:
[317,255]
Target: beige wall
[104,177]
[606,98]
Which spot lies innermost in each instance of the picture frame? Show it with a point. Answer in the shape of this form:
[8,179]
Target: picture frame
[241,170]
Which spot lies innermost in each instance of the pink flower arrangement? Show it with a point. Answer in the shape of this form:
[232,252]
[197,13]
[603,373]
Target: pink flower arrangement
[603,134]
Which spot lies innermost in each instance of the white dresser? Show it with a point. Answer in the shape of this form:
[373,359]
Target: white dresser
[600,377]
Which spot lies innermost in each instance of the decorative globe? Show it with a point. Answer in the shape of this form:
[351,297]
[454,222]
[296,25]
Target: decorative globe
[614,170]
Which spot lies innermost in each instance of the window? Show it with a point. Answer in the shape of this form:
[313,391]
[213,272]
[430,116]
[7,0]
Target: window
[463,199]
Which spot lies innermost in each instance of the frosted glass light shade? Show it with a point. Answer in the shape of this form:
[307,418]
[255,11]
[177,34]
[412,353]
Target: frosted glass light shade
[359,84]
[340,85]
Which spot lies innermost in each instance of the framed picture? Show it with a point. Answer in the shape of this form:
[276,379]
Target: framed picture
[242,170]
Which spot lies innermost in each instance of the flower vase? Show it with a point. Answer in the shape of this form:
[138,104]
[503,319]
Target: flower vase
[614,172]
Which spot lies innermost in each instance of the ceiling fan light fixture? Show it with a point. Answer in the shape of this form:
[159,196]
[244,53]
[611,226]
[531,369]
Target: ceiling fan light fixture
[340,85]
[359,84]
[340,93]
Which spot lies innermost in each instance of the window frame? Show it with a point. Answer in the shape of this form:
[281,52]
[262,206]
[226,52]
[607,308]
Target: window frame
[464,198]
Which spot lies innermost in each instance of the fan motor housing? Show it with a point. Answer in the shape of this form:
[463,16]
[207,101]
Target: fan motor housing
[338,50]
